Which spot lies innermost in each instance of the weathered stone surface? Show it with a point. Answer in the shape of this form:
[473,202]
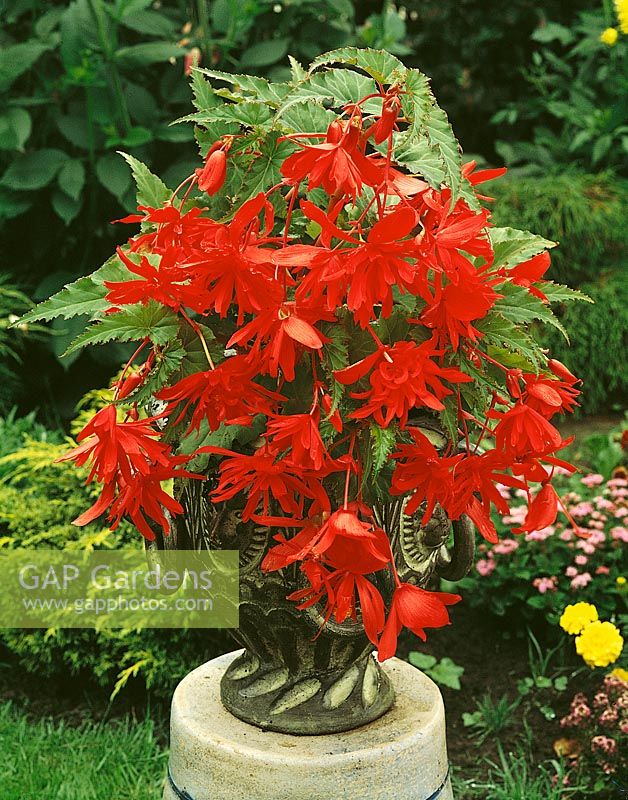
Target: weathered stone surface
[400,756]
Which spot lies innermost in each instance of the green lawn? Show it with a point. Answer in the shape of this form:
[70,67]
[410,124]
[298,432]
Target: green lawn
[46,760]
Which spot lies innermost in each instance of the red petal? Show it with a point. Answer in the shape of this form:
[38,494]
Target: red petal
[302,332]
[394,226]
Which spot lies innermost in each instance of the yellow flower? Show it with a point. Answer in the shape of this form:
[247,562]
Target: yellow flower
[621,7]
[621,581]
[600,644]
[621,673]
[609,36]
[576,617]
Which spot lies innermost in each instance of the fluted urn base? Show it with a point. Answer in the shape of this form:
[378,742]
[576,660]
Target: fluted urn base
[215,756]
[320,702]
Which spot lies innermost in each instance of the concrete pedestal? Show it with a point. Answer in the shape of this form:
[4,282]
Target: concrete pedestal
[215,756]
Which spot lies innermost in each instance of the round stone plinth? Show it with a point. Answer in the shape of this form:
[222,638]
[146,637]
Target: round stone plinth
[215,756]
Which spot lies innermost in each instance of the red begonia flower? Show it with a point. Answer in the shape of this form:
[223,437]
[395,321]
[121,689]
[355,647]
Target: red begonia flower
[403,377]
[338,164]
[415,609]
[224,394]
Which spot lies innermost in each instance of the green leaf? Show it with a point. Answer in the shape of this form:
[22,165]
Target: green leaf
[75,129]
[417,104]
[338,86]
[469,720]
[71,178]
[17,59]
[305,116]
[380,65]
[65,206]
[246,85]
[512,247]
[142,55]
[142,321]
[298,73]
[204,96]
[519,306]
[113,174]
[557,293]
[15,128]
[447,673]
[264,54]
[34,170]
[247,113]
[383,441]
[502,332]
[226,436]
[86,296]
[195,359]
[421,158]
[441,137]
[148,22]
[151,190]
[263,172]
[421,660]
[167,361]
[336,351]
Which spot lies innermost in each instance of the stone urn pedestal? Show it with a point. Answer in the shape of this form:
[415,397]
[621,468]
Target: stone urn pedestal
[402,755]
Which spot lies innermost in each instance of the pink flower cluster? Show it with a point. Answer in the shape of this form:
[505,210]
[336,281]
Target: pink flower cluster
[595,517]
[602,726]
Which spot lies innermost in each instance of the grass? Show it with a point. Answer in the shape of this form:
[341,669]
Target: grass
[47,760]
[513,778]
[491,717]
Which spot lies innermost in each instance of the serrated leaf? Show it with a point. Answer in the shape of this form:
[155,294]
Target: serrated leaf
[167,362]
[150,321]
[204,96]
[246,85]
[338,86]
[380,65]
[512,247]
[151,190]
[520,307]
[422,159]
[195,359]
[298,73]
[502,332]
[557,293]
[225,436]
[306,116]
[86,296]
[336,351]
[441,136]
[250,113]
[383,441]
[264,170]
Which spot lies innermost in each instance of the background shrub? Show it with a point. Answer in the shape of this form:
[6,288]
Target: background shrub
[37,501]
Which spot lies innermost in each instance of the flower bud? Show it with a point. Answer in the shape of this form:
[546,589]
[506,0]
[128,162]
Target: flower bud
[213,174]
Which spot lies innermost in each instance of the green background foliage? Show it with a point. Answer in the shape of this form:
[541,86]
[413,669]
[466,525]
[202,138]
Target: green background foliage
[82,80]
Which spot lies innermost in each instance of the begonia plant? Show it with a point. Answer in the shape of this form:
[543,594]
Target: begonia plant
[326,277]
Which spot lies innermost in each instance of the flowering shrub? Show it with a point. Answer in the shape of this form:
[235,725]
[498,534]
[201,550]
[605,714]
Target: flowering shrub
[325,315]
[550,567]
[599,728]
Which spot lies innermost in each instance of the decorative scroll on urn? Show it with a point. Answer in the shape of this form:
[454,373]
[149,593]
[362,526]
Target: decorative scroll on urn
[298,675]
